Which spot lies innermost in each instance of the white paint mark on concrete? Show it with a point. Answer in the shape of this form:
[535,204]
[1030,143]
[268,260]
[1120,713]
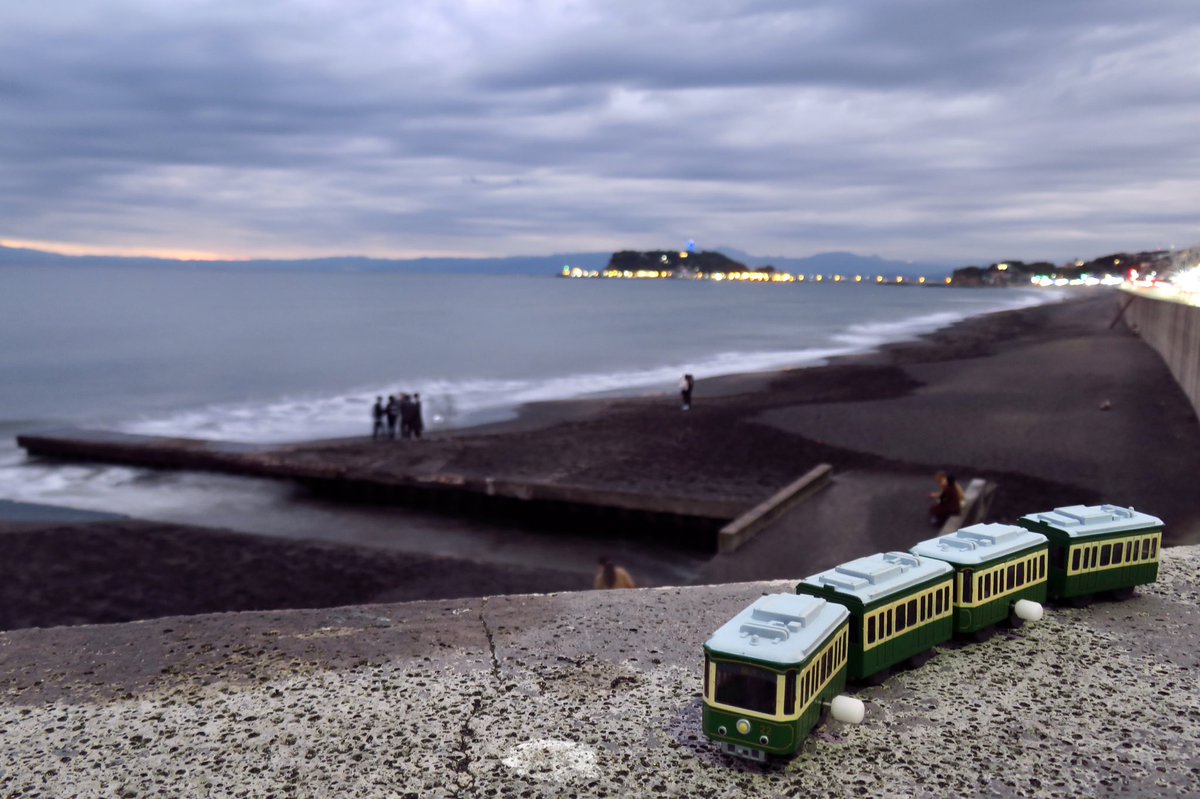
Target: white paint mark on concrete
[548,759]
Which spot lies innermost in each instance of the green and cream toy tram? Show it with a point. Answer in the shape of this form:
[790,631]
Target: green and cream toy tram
[1098,548]
[770,673]
[1001,574]
[900,607]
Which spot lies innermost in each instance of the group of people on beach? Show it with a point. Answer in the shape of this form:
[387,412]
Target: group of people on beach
[406,409]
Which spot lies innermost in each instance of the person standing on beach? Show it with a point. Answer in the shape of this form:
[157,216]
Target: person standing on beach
[377,415]
[418,423]
[949,499]
[406,416]
[686,383]
[610,575]
[392,410]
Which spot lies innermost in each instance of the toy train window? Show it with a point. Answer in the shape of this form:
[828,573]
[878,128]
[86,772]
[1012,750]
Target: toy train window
[789,692]
[747,687]
[968,583]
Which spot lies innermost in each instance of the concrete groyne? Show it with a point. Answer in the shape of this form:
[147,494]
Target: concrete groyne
[1173,330]
[687,522]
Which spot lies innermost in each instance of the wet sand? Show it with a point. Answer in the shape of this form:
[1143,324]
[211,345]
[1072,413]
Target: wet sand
[1015,397]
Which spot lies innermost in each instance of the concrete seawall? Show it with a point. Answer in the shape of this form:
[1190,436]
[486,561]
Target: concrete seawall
[587,694]
[1173,330]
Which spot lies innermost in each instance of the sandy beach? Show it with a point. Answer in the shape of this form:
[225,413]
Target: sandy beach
[1051,403]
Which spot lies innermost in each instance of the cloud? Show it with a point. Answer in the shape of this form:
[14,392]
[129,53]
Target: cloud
[932,129]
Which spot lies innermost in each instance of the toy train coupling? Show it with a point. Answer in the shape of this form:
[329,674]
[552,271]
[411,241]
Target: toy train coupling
[846,709]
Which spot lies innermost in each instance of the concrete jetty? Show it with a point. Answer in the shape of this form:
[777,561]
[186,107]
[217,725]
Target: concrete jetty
[588,694]
[689,522]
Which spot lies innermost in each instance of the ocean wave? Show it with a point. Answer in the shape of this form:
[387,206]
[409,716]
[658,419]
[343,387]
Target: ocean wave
[454,403]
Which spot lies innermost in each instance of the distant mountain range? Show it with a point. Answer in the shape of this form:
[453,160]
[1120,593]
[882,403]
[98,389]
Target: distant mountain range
[830,263]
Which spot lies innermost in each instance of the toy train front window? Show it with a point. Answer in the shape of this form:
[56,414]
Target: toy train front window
[747,687]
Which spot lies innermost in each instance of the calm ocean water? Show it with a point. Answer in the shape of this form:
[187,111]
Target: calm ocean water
[280,356]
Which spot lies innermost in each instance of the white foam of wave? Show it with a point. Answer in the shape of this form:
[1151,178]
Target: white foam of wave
[445,403]
[141,493]
[451,403]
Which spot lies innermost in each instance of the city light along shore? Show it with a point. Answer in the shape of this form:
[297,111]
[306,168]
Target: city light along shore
[690,265]
[1113,270]
[749,276]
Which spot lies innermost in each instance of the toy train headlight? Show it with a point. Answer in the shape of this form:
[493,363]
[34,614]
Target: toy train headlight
[722,731]
[764,740]
[743,726]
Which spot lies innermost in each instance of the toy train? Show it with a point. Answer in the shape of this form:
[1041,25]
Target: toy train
[773,671]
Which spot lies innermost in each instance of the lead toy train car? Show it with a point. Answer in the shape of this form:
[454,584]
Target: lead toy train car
[773,671]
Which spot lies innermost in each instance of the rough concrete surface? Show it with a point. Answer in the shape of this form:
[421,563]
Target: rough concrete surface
[589,694]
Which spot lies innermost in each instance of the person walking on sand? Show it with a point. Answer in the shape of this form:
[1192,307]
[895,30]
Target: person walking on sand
[686,383]
[392,410]
[610,575]
[949,499]
[377,415]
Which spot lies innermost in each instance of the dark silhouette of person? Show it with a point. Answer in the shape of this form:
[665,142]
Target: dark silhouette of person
[610,575]
[686,384]
[392,410]
[377,415]
[406,416]
[418,422]
[949,499]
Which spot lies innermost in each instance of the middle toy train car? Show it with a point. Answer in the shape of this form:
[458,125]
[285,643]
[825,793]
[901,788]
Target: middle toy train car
[895,607]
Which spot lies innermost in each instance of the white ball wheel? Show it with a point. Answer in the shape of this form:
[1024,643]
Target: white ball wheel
[847,709]
[1027,610]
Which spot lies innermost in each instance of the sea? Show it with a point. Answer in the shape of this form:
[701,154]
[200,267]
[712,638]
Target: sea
[286,355]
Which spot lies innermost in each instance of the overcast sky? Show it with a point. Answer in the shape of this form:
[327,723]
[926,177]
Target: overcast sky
[949,130]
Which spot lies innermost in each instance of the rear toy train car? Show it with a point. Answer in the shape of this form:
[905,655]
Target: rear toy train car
[1097,549]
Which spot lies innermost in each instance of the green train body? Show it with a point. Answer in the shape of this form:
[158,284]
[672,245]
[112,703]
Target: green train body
[769,673]
[996,566]
[1098,549]
[900,607]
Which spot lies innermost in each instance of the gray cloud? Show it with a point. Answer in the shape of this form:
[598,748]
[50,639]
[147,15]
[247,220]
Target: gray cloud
[934,129]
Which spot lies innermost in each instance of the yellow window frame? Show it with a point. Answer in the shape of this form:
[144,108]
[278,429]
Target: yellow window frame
[886,612]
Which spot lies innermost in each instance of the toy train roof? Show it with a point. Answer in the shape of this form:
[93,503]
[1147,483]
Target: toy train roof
[1082,521]
[979,543]
[778,628]
[877,576]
